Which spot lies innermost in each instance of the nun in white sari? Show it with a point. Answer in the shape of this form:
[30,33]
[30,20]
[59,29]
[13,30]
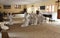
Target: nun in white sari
[35,19]
[41,18]
[27,20]
[10,17]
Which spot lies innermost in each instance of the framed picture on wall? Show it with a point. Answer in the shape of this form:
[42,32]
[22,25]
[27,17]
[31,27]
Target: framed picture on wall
[7,6]
[42,7]
[17,6]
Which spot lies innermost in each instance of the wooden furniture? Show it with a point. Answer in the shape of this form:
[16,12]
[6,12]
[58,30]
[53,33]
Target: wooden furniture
[48,15]
[5,34]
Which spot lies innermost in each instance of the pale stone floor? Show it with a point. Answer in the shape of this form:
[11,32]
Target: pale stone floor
[45,30]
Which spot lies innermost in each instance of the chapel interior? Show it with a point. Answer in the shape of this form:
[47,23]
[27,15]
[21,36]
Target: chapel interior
[29,18]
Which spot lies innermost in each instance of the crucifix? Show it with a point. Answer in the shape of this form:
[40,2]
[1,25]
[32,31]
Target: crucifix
[58,3]
[58,9]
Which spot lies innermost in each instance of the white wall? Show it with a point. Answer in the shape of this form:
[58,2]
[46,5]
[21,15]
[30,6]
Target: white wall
[54,17]
[19,16]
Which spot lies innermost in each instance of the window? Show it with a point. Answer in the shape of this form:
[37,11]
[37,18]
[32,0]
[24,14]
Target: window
[50,8]
[18,6]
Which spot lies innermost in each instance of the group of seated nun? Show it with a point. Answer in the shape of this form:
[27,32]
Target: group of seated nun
[33,19]
[2,23]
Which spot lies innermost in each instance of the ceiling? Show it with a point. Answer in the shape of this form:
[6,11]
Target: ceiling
[21,1]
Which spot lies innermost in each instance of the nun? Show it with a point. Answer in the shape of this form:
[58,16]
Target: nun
[40,18]
[10,19]
[27,20]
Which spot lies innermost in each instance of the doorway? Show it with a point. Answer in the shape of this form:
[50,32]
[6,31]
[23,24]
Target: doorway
[58,14]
